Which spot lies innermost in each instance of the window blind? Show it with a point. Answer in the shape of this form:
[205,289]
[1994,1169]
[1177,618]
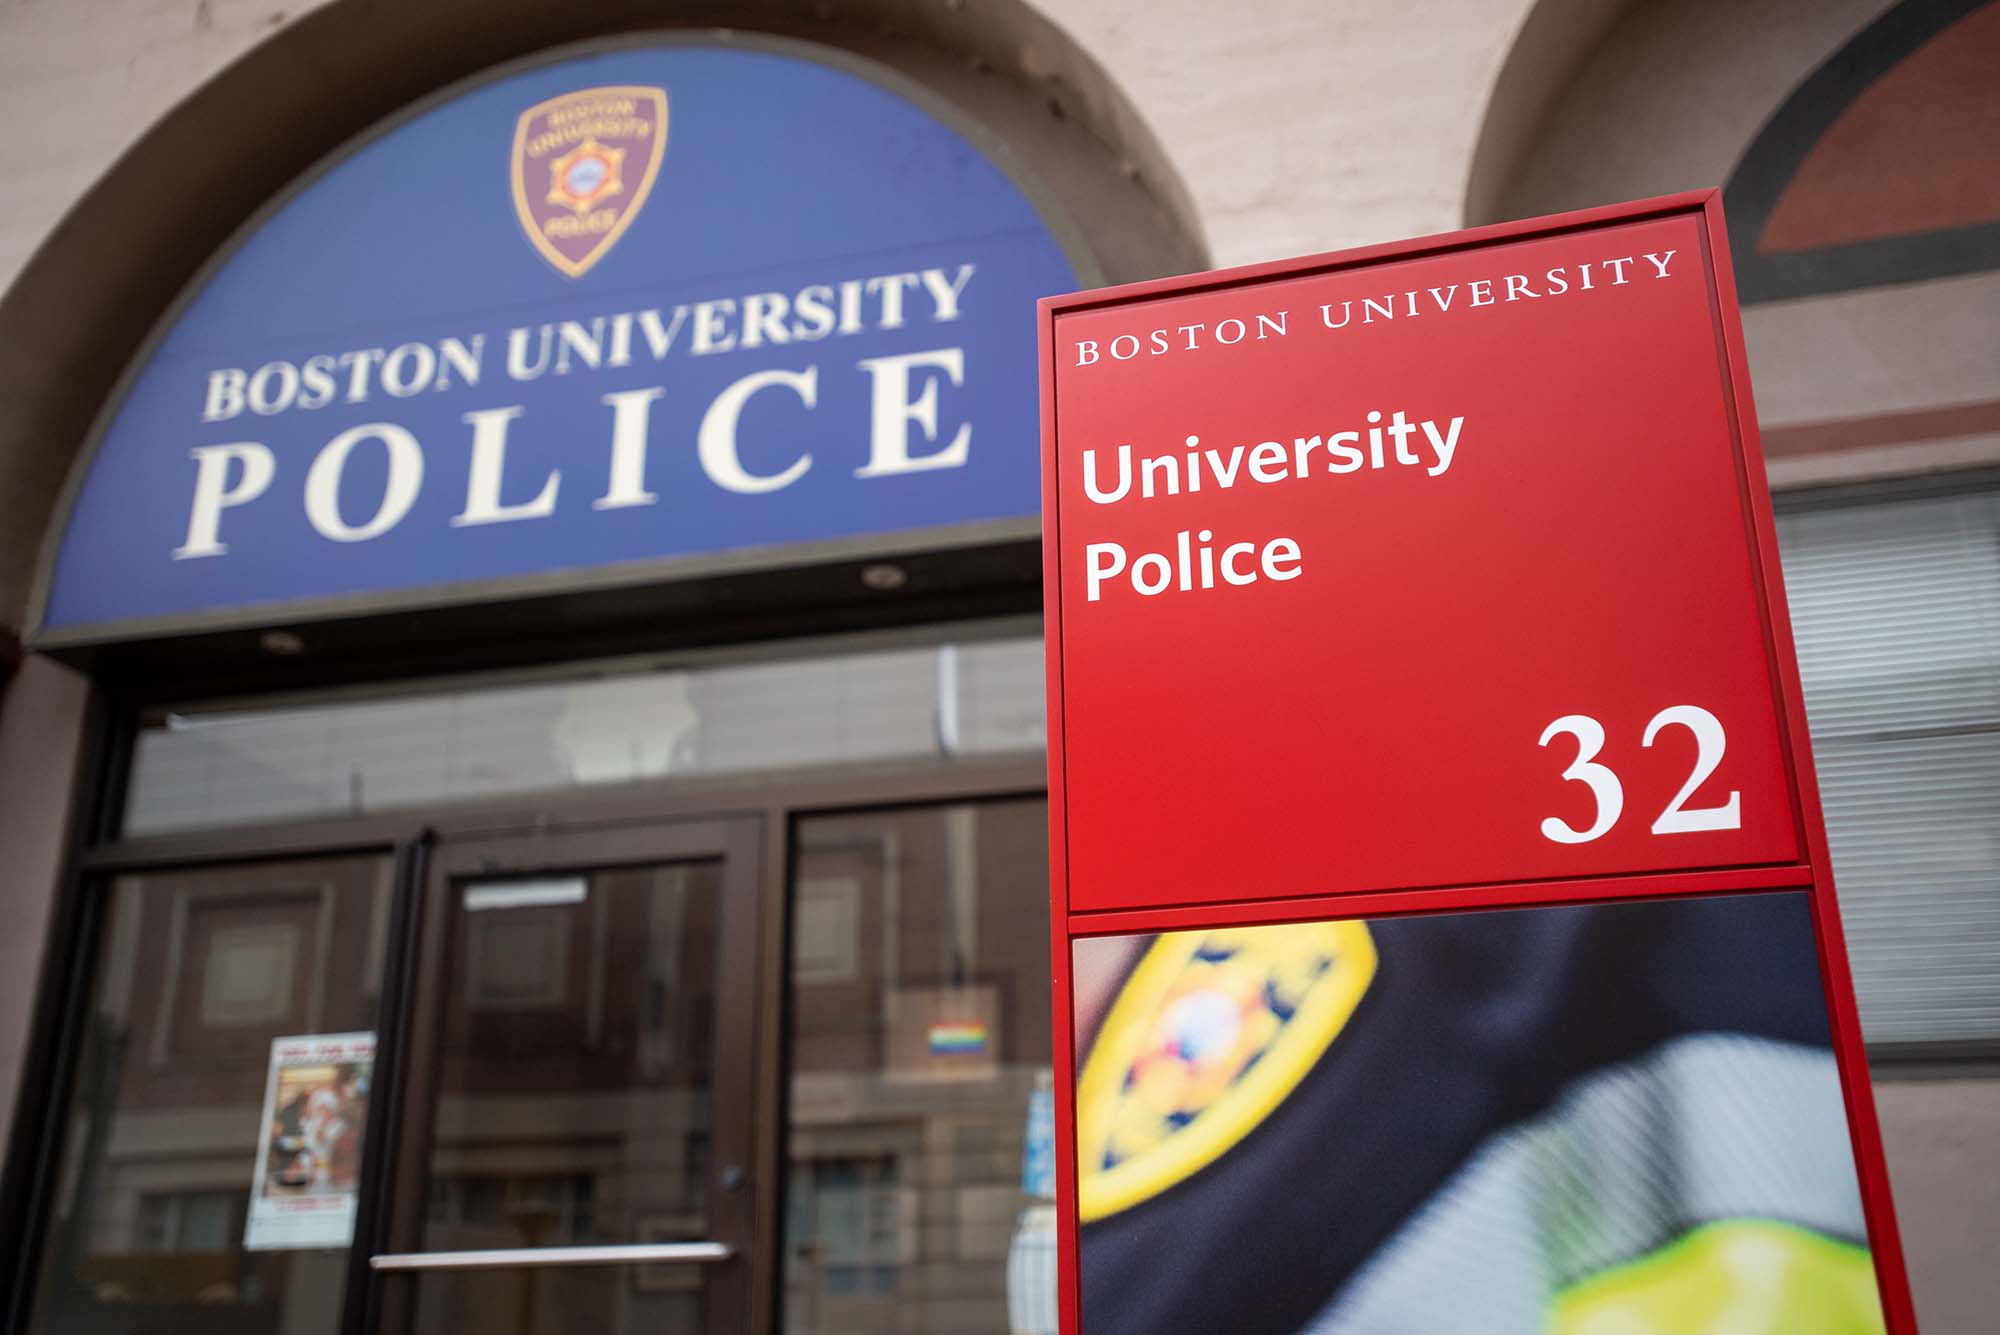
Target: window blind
[1896,609]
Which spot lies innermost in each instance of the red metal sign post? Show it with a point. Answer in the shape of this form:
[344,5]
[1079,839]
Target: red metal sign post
[1382,587]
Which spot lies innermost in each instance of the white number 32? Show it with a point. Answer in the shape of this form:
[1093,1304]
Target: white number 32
[1609,794]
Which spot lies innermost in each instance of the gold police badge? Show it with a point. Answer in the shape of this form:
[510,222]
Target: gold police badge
[583,165]
[1209,1034]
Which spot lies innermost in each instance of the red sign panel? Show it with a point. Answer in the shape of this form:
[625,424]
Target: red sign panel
[1426,571]
[1429,576]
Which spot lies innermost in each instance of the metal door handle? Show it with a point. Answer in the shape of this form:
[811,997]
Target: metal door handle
[686,1253]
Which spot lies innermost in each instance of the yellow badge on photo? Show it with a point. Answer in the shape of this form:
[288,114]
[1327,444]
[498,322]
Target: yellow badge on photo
[1208,1036]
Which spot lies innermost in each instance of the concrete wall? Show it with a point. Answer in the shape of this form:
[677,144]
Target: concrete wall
[1314,126]
[1942,1136]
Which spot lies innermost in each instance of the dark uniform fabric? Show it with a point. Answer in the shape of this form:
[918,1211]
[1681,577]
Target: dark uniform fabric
[1474,1022]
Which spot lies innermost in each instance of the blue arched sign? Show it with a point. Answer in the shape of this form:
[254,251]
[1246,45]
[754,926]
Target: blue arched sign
[634,314]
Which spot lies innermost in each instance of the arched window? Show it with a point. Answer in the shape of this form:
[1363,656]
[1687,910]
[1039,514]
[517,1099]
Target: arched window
[1879,167]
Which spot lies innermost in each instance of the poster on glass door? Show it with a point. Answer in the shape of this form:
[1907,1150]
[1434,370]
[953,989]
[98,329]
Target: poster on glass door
[308,1165]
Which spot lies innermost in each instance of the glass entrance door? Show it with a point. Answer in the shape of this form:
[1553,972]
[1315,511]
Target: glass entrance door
[580,1088]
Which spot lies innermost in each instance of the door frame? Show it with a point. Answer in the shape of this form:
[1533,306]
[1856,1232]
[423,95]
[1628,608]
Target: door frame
[737,1090]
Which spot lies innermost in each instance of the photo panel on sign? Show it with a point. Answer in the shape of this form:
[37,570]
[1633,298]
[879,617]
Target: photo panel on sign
[1551,1120]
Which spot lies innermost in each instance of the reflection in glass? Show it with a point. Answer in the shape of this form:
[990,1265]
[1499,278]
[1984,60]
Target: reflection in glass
[197,972]
[920,1138]
[1543,1121]
[201,769]
[573,1099]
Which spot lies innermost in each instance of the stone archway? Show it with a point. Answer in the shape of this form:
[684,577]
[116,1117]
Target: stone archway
[81,306]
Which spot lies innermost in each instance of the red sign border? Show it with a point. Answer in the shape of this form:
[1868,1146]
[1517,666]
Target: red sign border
[1813,875]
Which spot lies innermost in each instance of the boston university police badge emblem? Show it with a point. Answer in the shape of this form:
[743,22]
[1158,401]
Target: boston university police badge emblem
[583,165]
[1208,1035]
